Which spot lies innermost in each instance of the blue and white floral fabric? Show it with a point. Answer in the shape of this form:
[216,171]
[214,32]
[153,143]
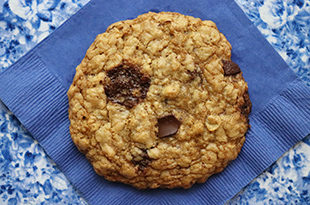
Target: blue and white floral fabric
[286,25]
[24,23]
[28,176]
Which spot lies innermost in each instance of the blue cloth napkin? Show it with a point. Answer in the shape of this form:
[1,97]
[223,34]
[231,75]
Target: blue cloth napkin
[35,87]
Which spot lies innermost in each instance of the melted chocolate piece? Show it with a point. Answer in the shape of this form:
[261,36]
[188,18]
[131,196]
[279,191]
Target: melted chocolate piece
[142,163]
[230,68]
[194,74]
[247,105]
[127,85]
[168,126]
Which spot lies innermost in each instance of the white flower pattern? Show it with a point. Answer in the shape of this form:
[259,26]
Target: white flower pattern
[28,176]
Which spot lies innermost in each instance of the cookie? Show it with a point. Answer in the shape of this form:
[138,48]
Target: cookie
[157,102]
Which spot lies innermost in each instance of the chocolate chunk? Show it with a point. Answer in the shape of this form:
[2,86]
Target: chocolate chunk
[127,85]
[246,106]
[142,160]
[168,126]
[230,68]
[194,74]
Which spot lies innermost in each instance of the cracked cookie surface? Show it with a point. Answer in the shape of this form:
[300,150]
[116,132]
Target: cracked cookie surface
[157,102]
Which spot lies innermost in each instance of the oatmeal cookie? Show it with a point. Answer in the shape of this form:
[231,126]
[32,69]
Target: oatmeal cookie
[157,102]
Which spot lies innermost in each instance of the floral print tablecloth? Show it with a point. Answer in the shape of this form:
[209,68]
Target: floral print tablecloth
[28,176]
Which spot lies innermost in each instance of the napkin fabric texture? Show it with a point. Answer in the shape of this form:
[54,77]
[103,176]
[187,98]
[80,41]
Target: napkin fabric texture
[35,87]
